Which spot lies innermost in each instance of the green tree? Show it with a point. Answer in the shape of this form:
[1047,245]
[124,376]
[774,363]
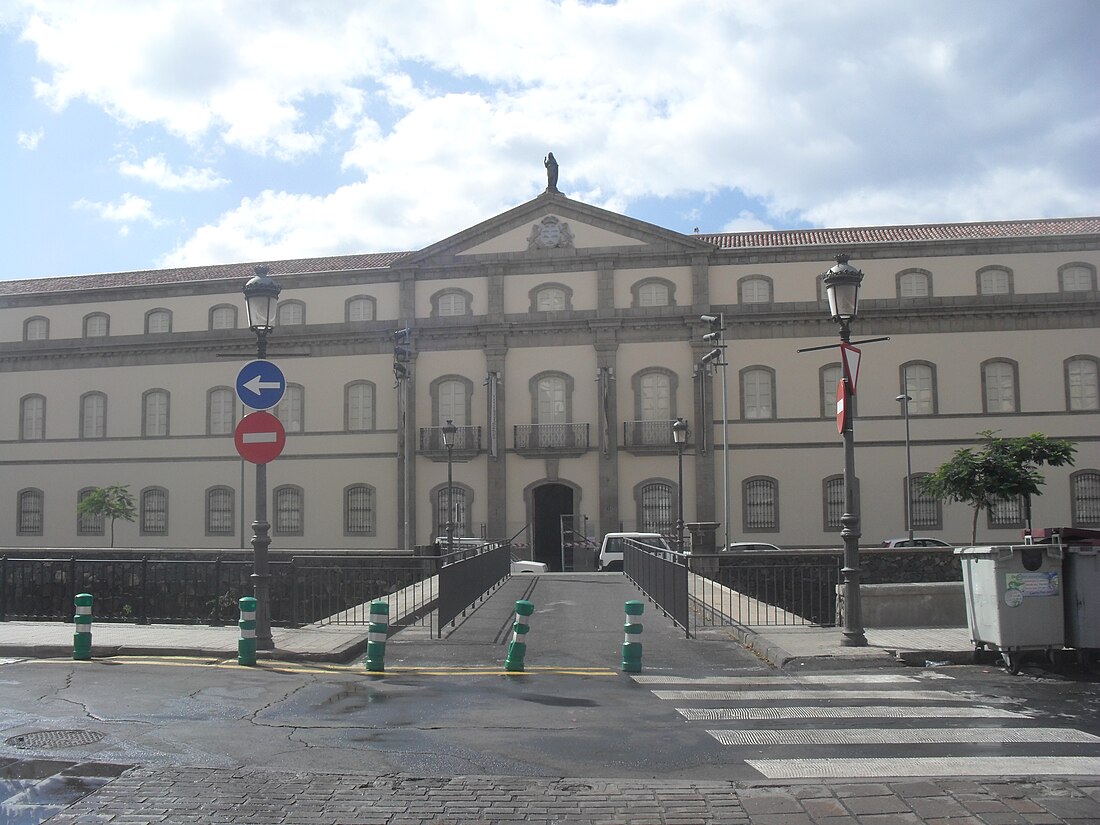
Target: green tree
[1004,468]
[114,502]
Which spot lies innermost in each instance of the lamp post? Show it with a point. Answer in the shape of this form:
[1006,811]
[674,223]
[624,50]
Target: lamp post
[261,297]
[905,399]
[449,430]
[679,436]
[842,286]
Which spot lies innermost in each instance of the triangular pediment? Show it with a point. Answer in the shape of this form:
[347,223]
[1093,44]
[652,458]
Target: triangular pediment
[552,225]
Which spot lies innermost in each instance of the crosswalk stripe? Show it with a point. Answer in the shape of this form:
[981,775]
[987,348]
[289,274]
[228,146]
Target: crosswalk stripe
[834,767]
[859,679]
[868,712]
[808,693]
[908,736]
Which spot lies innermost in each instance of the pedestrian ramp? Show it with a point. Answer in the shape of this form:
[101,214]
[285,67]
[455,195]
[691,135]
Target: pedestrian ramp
[851,725]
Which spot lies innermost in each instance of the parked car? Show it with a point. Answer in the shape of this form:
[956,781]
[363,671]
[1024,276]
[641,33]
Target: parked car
[750,547]
[915,542]
[528,567]
[611,549]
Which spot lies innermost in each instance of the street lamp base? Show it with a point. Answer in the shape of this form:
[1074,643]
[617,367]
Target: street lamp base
[853,639]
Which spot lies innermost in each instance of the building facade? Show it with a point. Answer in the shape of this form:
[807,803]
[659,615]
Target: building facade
[562,341]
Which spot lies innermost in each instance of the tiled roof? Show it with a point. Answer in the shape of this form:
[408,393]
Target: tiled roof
[724,240]
[217,272]
[905,234]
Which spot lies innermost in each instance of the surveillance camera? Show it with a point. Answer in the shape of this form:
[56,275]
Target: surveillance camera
[711,356]
[402,333]
[713,337]
[710,319]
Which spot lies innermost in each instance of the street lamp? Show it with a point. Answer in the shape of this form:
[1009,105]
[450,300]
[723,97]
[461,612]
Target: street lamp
[261,297]
[679,436]
[449,430]
[842,286]
[905,399]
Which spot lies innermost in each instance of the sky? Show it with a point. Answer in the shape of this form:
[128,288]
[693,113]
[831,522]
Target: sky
[168,133]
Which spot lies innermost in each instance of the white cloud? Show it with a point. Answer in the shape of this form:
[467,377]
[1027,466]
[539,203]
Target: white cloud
[157,172]
[126,211]
[853,112]
[30,140]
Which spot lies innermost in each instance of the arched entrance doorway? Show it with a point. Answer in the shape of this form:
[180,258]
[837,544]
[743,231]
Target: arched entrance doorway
[549,502]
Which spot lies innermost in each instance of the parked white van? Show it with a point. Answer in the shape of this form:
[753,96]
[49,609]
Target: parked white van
[611,549]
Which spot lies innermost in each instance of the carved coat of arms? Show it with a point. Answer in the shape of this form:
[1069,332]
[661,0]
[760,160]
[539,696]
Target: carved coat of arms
[550,233]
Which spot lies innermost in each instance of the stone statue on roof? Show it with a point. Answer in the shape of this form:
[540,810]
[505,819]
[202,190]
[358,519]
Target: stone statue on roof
[551,172]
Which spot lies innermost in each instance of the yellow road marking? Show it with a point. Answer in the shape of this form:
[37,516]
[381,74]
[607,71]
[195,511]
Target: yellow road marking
[277,666]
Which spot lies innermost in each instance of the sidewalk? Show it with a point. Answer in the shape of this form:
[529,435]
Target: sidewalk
[784,647]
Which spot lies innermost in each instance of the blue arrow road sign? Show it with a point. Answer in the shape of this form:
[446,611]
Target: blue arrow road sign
[260,385]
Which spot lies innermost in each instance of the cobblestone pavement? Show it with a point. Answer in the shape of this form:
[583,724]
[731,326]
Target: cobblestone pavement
[202,795]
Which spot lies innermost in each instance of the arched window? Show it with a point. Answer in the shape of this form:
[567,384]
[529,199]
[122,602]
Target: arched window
[154,413]
[289,506]
[832,494]
[158,322]
[927,512]
[760,497]
[450,303]
[994,280]
[653,292]
[219,511]
[97,325]
[223,316]
[93,415]
[290,313]
[36,329]
[361,308]
[551,298]
[30,509]
[460,510]
[757,393]
[914,283]
[1077,277]
[154,511]
[359,406]
[290,409]
[359,514]
[1081,383]
[755,289]
[221,407]
[656,506]
[552,402]
[32,417]
[1085,496]
[830,378]
[88,524]
[1000,391]
[918,379]
[452,400]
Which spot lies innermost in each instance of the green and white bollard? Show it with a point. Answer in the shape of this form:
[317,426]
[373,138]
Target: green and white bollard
[246,645]
[82,627]
[632,648]
[518,648]
[377,632]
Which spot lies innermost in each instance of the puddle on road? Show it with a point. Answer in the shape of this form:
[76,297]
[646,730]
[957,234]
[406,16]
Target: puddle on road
[558,701]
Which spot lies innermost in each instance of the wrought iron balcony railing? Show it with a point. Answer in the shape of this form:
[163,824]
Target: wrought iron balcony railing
[552,438]
[467,441]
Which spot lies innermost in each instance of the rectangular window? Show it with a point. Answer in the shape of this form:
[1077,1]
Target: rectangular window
[93,422]
[156,413]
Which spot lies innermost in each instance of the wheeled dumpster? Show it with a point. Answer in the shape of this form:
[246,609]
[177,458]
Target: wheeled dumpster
[1080,584]
[1014,599]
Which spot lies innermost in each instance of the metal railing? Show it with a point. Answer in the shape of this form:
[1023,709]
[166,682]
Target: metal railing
[563,437]
[467,440]
[746,589]
[467,576]
[648,434]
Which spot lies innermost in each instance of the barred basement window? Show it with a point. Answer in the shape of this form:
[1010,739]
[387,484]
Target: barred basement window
[927,511]
[289,508]
[359,510]
[154,511]
[761,502]
[1086,498]
[219,511]
[1007,513]
[30,507]
[656,508]
[88,524]
[834,503]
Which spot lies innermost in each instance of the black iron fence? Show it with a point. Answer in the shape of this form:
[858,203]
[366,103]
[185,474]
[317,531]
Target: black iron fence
[303,590]
[467,576]
[663,576]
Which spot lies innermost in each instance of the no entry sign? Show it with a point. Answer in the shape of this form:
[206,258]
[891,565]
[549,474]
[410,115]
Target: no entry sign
[259,437]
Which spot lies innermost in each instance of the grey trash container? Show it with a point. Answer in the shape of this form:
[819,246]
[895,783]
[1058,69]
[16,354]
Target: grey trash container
[1082,599]
[1014,598]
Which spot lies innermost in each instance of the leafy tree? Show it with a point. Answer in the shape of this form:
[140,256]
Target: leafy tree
[114,502]
[1004,468]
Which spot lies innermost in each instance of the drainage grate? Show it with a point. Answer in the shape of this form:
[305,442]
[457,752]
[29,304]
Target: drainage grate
[54,739]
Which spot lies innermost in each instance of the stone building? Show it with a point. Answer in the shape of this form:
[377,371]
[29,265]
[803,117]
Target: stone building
[562,340]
